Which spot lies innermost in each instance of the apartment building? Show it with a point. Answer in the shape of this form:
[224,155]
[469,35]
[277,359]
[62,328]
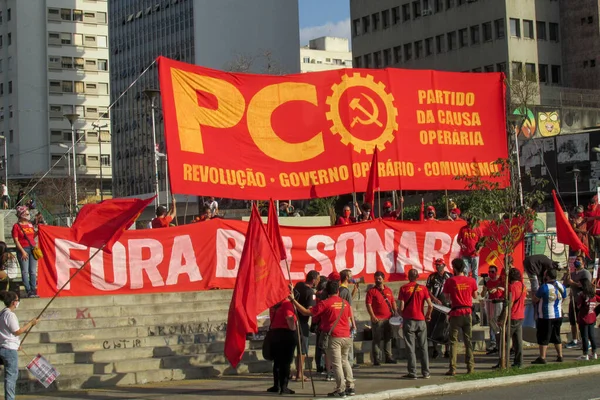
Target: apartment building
[325,53]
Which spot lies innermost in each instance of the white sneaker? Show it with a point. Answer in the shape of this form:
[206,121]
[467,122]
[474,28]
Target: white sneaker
[594,356]
[584,357]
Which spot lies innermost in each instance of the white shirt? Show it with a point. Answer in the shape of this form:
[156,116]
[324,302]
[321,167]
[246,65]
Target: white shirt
[8,325]
[4,190]
[214,206]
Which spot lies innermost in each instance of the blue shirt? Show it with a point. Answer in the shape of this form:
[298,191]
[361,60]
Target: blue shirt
[551,296]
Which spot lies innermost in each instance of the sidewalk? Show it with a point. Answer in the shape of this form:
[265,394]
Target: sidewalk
[368,380]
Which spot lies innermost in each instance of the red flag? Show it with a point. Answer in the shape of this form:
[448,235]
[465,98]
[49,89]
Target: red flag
[274,233]
[564,231]
[259,285]
[422,215]
[373,182]
[104,222]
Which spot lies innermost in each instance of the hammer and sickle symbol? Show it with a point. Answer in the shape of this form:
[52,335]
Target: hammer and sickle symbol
[372,116]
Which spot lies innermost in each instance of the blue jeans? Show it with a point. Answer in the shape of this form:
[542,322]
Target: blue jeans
[28,270]
[10,359]
[472,264]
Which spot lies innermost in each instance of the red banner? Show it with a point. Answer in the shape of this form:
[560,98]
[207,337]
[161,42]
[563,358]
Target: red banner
[312,135]
[206,255]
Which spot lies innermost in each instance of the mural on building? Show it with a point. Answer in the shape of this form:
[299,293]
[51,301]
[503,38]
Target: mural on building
[528,128]
[548,123]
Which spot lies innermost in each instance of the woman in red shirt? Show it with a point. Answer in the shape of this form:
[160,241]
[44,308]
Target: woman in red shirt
[283,325]
[24,235]
[493,287]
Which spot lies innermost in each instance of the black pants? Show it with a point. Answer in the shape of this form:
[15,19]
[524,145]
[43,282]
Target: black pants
[283,346]
[587,333]
[319,353]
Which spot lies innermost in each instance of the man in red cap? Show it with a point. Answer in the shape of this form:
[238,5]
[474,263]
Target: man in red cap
[389,213]
[455,214]
[430,214]
[593,225]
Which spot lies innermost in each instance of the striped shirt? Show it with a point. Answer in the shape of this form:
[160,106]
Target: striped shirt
[551,296]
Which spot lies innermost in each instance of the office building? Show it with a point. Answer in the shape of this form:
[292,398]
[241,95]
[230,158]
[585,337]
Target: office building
[215,34]
[54,61]
[325,53]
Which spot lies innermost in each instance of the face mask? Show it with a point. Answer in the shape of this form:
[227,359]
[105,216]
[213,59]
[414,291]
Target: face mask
[367,213]
[453,216]
[430,214]
[493,274]
[17,304]
[347,213]
[577,264]
[387,210]
[580,215]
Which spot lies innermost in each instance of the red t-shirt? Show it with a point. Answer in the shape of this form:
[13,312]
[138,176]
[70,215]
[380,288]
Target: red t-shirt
[279,316]
[376,299]
[29,231]
[460,291]
[414,310]
[392,215]
[594,225]
[518,293]
[469,238]
[328,310]
[497,284]
[161,222]
[345,221]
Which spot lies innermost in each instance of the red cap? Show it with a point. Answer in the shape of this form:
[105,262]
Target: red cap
[387,204]
[455,211]
[334,276]
[430,208]
[439,261]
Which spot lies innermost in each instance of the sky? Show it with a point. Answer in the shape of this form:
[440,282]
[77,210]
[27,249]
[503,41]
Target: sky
[324,18]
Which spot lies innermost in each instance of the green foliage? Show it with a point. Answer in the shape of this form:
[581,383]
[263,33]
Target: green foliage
[322,207]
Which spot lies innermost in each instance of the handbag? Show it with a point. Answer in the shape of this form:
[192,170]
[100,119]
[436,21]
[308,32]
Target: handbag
[36,252]
[324,337]
[267,346]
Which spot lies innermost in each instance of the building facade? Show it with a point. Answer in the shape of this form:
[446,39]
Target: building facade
[325,53]
[54,61]
[216,34]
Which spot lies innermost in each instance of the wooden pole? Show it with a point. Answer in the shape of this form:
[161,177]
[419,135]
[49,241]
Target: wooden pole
[447,205]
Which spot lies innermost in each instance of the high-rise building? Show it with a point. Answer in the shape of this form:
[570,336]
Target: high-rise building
[54,61]
[224,34]
[325,53]
[551,41]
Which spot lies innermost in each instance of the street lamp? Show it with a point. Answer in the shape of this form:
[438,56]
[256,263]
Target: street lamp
[64,146]
[153,94]
[518,121]
[576,172]
[72,118]
[98,126]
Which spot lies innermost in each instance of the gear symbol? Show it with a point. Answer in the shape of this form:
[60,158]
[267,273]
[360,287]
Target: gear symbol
[338,127]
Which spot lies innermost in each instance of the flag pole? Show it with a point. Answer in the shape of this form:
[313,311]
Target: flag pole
[379,201]
[63,286]
[447,206]
[402,205]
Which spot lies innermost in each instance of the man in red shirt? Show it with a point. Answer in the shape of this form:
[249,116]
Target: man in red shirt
[336,319]
[346,218]
[518,293]
[381,307]
[390,214]
[493,288]
[412,303]
[461,290]
[592,216]
[468,239]
[164,218]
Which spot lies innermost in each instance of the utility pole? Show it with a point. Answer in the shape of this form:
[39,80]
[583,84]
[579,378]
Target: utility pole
[99,127]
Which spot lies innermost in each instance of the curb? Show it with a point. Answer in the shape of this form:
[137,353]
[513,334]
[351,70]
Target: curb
[455,387]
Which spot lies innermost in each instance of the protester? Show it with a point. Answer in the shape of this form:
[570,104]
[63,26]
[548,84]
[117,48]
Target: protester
[20,196]
[381,306]
[336,320]
[346,218]
[493,289]
[314,327]
[435,285]
[430,214]
[214,207]
[549,299]
[455,215]
[469,237]
[38,220]
[345,279]
[322,324]
[304,294]
[573,280]
[389,213]
[9,342]
[23,233]
[283,325]
[461,290]
[536,267]
[204,215]
[366,214]
[286,209]
[592,216]
[163,218]
[412,305]
[586,318]
[579,224]
[5,197]
[9,267]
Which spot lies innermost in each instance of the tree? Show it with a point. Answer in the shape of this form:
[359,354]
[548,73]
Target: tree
[262,62]
[507,217]
[323,206]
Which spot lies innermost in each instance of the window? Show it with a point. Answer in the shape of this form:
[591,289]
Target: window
[357,62]
[487,31]
[426,7]
[102,41]
[408,52]
[56,137]
[91,64]
[54,38]
[405,12]
[55,87]
[463,37]
[385,19]
[590,20]
[375,19]
[65,38]
[475,34]
[79,88]
[9,39]
[0,41]
[66,62]
[541,30]
[438,5]
[449,3]
[556,74]
[65,14]
[419,49]
[306,60]
[387,57]
[10,63]
[395,15]
[500,29]
[516,70]
[78,39]
[515,27]
[553,32]
[77,15]
[0,65]
[81,162]
[377,59]
[416,6]
[1,89]
[440,44]
[105,160]
[79,63]
[592,63]
[543,73]
[8,16]
[90,40]
[101,17]
[356,27]
[488,68]
[397,54]
[367,60]
[528,29]
[366,23]
[80,110]
[54,14]
[451,41]
[10,135]
[9,87]
[530,74]
[67,86]
[428,46]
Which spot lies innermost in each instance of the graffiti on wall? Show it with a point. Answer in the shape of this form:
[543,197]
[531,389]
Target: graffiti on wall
[544,121]
[548,123]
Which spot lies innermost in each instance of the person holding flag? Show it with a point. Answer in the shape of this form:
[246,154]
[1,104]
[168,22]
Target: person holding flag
[283,344]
